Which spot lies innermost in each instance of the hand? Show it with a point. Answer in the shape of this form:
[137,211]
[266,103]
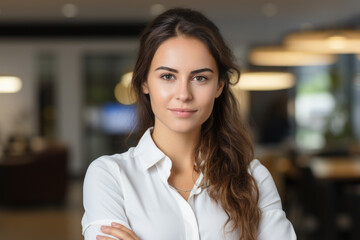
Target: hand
[117,230]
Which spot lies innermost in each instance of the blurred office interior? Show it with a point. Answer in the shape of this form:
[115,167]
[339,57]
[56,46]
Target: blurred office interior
[64,101]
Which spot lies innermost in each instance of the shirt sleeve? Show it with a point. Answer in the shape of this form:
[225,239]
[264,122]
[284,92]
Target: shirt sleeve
[103,197]
[273,224]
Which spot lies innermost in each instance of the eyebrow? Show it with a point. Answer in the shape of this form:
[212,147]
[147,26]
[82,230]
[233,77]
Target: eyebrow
[176,71]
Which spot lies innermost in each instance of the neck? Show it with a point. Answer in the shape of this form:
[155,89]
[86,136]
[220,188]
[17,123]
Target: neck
[179,147]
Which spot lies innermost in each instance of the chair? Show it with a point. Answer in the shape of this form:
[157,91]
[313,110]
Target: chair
[34,178]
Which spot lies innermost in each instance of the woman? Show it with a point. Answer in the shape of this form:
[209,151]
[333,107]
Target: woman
[192,174]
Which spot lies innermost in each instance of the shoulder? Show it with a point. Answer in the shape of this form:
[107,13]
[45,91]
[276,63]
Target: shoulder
[268,195]
[273,224]
[109,161]
[106,162]
[109,166]
[104,177]
[103,193]
[259,172]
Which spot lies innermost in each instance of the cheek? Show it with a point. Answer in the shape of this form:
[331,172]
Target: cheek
[159,94]
[207,96]
[207,103]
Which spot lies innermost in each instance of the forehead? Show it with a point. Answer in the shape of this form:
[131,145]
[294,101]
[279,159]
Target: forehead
[183,52]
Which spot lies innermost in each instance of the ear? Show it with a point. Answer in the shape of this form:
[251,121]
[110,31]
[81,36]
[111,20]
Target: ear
[219,88]
[145,87]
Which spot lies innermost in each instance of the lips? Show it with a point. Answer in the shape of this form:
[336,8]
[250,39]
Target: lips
[182,112]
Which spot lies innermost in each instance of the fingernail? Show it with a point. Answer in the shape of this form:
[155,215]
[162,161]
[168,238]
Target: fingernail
[115,224]
[103,228]
[98,237]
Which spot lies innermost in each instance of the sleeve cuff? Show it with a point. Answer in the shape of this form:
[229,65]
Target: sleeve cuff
[102,222]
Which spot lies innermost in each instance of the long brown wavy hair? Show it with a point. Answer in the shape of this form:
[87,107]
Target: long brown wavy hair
[225,148]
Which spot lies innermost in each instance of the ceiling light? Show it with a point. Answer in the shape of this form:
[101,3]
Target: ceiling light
[336,42]
[325,41]
[280,56]
[123,91]
[265,81]
[10,84]
[69,10]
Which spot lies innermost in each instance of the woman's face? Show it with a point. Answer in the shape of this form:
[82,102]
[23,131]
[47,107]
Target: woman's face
[182,83]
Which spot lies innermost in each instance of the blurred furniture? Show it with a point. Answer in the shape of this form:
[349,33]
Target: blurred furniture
[34,177]
[337,180]
[339,168]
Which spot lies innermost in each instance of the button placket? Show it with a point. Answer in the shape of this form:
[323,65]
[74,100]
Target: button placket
[186,210]
[188,214]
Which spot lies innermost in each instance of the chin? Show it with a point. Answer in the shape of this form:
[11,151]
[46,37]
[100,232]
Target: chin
[181,126]
[184,128]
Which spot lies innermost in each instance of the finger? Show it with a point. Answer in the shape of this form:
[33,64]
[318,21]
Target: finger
[116,232]
[99,237]
[122,227]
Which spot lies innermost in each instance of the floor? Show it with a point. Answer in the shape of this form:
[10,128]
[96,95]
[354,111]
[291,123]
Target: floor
[55,223]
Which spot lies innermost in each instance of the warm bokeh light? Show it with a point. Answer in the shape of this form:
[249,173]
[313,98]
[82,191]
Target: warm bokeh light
[123,92]
[336,42]
[280,56]
[10,84]
[265,81]
[340,41]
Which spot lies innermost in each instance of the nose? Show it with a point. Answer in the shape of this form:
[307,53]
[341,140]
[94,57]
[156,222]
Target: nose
[184,91]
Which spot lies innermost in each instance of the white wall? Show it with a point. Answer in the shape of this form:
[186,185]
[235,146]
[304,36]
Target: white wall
[18,113]
[19,58]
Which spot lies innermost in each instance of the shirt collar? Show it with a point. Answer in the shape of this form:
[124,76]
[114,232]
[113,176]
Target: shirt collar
[149,155]
[147,151]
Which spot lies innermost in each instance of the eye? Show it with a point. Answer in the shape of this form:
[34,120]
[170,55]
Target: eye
[168,76]
[200,78]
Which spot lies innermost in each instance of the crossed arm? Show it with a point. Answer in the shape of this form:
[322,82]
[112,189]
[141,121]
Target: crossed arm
[117,230]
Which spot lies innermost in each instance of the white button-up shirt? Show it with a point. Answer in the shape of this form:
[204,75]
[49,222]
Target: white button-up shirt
[132,189]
